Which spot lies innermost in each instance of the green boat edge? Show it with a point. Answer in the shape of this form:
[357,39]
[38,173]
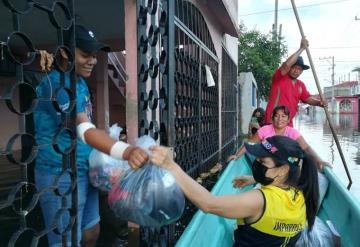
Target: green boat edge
[338,206]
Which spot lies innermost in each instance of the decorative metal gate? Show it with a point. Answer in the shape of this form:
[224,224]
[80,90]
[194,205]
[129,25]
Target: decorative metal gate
[20,217]
[175,52]
[155,87]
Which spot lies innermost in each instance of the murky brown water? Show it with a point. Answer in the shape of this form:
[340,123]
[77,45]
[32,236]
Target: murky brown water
[317,133]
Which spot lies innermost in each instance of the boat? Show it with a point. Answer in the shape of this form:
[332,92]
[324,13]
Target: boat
[338,208]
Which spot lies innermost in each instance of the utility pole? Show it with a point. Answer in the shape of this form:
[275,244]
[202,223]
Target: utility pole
[275,27]
[333,101]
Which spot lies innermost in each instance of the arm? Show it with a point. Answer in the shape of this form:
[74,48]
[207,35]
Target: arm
[315,102]
[247,204]
[237,155]
[307,148]
[256,138]
[285,67]
[100,140]
[242,181]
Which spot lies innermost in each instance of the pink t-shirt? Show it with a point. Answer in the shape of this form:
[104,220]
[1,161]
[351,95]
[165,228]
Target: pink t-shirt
[268,131]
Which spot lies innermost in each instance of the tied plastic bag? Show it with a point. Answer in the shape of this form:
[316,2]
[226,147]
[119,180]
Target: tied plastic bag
[319,236]
[104,170]
[148,196]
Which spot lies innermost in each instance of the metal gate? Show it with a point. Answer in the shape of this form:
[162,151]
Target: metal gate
[20,217]
[176,103]
[228,107]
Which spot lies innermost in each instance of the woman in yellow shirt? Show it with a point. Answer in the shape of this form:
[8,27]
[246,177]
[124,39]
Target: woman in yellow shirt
[273,215]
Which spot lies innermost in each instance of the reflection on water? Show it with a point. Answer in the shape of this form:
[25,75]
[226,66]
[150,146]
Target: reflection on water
[317,133]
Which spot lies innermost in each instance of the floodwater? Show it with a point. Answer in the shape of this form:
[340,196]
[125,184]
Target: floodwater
[317,133]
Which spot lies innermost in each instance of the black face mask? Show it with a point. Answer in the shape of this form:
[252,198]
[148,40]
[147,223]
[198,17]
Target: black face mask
[259,171]
[260,120]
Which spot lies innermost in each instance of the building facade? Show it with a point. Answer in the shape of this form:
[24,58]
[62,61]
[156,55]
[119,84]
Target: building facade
[343,97]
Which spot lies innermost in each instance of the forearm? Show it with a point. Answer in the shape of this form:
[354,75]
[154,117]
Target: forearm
[241,151]
[292,59]
[99,139]
[314,156]
[197,194]
[312,101]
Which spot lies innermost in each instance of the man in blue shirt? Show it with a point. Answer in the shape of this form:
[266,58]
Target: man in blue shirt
[50,177]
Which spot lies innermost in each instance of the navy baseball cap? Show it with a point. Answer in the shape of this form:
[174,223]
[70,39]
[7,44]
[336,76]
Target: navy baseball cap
[300,62]
[86,41]
[282,148]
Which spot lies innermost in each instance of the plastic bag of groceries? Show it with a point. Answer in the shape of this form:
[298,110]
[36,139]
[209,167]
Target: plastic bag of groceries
[319,236]
[104,170]
[148,196]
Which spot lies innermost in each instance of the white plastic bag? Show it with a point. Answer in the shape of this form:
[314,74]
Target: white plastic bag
[148,196]
[319,236]
[104,170]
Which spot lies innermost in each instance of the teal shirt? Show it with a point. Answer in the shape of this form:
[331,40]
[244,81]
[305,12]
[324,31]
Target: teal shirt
[48,121]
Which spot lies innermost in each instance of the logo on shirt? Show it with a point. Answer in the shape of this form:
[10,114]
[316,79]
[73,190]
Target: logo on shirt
[64,107]
[88,107]
[283,227]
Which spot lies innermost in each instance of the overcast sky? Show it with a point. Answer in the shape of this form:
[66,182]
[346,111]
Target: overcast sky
[329,25]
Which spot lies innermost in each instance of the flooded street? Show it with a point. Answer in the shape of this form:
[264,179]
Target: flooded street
[317,133]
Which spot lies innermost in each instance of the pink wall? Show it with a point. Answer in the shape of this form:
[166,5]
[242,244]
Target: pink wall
[354,104]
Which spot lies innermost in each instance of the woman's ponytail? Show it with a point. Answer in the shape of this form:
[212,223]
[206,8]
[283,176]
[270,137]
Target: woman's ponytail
[309,185]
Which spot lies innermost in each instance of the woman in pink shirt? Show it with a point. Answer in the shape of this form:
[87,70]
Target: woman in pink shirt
[279,126]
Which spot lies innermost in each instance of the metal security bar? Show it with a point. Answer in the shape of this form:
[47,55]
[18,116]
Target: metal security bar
[155,86]
[228,106]
[20,217]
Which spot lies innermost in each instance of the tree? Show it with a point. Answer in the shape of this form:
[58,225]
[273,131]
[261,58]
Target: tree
[261,55]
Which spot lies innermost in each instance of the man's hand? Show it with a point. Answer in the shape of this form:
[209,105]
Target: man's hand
[304,43]
[322,103]
[46,60]
[135,156]
[242,181]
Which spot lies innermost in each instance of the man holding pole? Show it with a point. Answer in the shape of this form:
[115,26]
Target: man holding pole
[286,89]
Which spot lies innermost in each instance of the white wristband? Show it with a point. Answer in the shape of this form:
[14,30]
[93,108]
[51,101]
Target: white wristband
[82,128]
[117,150]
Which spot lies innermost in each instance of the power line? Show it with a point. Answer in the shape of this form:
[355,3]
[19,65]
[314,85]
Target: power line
[336,47]
[303,6]
[354,61]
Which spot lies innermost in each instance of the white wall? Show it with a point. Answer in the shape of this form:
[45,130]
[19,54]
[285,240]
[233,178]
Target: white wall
[231,45]
[246,80]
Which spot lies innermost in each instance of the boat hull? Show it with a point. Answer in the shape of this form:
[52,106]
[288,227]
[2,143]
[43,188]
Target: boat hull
[338,206]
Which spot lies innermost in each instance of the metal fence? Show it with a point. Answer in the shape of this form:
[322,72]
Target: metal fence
[21,221]
[177,108]
[188,107]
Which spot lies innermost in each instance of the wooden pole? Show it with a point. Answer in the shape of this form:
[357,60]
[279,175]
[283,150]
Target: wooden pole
[322,96]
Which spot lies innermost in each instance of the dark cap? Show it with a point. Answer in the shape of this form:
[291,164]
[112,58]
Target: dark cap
[282,148]
[86,41]
[300,62]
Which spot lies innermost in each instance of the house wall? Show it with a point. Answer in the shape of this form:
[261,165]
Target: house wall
[246,81]
[354,104]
